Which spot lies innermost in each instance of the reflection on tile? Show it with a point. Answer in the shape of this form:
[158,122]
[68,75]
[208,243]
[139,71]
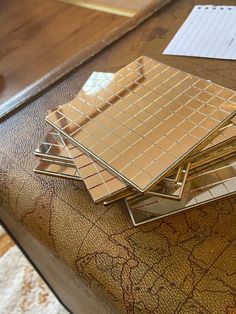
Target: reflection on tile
[96,82]
[207,186]
[172,188]
[215,154]
[140,217]
[158,107]
[54,147]
[57,168]
[227,134]
[126,120]
[100,183]
[105,186]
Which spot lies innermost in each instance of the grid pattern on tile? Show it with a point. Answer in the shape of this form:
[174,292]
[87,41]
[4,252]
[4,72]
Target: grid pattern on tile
[198,171]
[96,82]
[54,146]
[228,133]
[171,190]
[99,188]
[103,185]
[213,155]
[146,120]
[100,182]
[57,169]
[204,187]
[222,162]
[151,211]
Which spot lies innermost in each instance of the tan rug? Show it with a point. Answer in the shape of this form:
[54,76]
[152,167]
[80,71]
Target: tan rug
[21,288]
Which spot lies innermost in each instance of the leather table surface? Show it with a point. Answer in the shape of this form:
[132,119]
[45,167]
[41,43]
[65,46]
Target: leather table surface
[181,264]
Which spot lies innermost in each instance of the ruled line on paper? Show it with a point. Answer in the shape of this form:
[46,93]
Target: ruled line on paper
[209,31]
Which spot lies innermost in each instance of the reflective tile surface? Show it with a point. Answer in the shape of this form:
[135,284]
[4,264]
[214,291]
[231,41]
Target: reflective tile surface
[141,217]
[172,188]
[103,185]
[57,168]
[54,147]
[146,120]
[206,186]
[213,155]
[100,182]
[226,135]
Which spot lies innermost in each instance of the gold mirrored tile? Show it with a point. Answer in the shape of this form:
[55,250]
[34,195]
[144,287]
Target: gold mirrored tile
[101,183]
[57,168]
[141,98]
[223,136]
[140,217]
[222,162]
[227,134]
[172,188]
[213,155]
[96,82]
[54,147]
[94,176]
[201,188]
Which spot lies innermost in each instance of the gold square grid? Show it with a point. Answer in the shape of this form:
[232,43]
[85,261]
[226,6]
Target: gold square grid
[101,183]
[146,121]
[216,182]
[104,186]
[56,168]
[54,147]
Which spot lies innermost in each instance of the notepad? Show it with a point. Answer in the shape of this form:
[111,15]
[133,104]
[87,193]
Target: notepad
[209,31]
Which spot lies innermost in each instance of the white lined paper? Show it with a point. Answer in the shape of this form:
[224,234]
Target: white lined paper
[208,32]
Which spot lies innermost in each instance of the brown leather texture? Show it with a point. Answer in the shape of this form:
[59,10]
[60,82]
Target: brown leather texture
[181,264]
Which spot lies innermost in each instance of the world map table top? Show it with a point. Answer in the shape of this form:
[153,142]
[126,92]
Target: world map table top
[183,263]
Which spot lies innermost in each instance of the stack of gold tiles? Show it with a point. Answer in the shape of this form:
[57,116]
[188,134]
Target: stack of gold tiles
[158,138]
